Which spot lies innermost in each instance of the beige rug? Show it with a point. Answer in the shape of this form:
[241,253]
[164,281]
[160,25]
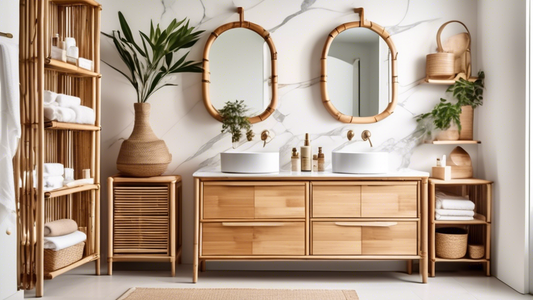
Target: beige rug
[236,294]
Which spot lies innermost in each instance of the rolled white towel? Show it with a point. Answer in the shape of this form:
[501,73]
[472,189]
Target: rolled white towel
[455,204]
[455,212]
[84,115]
[53,169]
[49,97]
[68,100]
[53,182]
[57,243]
[452,218]
[61,114]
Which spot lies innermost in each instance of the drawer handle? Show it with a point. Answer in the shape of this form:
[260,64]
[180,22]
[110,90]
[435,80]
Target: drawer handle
[255,224]
[366,224]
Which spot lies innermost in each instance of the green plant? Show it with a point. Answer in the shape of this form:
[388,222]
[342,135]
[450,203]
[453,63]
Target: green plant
[468,93]
[156,59]
[234,119]
[442,115]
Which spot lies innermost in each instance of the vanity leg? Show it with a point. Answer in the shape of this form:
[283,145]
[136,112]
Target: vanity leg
[196,230]
[424,217]
[109,266]
[409,266]
[202,265]
[173,267]
[487,268]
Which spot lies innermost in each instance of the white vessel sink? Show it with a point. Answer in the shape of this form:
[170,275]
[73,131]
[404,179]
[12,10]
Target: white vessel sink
[360,162]
[249,162]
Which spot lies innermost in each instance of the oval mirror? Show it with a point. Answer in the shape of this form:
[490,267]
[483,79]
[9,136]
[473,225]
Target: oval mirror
[359,76]
[240,64]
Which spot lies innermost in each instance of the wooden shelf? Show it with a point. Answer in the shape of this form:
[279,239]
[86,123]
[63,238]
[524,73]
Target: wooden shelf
[75,2]
[478,220]
[55,125]
[60,66]
[458,142]
[446,81]
[466,181]
[71,190]
[53,274]
[460,259]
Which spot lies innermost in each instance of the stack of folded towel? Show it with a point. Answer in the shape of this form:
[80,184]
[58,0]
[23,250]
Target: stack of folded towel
[53,176]
[453,208]
[66,108]
[62,234]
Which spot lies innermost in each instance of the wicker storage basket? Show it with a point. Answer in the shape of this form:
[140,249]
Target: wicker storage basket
[451,242]
[54,260]
[476,251]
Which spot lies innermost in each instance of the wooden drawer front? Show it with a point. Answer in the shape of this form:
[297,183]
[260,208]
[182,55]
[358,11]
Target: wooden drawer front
[399,239]
[253,238]
[248,202]
[389,201]
[332,239]
[336,201]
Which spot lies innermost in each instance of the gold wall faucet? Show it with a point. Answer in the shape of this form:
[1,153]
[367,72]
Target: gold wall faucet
[365,135]
[350,135]
[265,134]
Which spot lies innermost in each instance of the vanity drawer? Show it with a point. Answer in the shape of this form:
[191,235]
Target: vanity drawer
[253,238]
[389,200]
[254,201]
[336,201]
[367,238]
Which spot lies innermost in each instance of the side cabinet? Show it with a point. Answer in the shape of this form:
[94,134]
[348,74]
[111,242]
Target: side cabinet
[325,219]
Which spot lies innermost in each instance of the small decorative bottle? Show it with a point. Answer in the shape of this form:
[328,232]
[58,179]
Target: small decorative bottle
[321,162]
[315,163]
[305,155]
[295,161]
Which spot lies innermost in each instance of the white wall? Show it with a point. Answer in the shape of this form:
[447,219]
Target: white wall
[193,136]
[9,16]
[501,124]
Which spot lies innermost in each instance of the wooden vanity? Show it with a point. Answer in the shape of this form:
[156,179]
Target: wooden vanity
[311,216]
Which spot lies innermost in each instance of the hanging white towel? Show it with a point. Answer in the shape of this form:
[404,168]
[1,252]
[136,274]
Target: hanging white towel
[57,243]
[68,101]
[9,126]
[84,115]
[60,114]
[455,212]
[49,97]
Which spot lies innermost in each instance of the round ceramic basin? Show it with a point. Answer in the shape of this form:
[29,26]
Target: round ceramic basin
[249,162]
[360,162]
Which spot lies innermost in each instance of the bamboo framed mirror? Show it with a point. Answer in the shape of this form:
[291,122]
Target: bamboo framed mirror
[241,65]
[359,79]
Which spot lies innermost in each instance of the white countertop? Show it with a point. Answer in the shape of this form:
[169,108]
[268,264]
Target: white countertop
[215,172]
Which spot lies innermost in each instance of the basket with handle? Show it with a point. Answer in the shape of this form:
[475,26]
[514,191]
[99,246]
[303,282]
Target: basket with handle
[447,63]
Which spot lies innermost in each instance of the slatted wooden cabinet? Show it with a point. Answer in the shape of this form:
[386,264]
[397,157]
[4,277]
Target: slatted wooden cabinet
[312,218]
[144,219]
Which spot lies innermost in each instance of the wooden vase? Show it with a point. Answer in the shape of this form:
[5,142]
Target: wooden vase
[467,123]
[143,154]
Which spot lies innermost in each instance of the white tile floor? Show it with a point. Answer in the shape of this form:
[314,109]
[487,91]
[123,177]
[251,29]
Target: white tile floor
[457,285]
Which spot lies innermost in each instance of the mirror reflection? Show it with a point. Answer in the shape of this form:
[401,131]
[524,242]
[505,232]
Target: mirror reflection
[358,70]
[240,69]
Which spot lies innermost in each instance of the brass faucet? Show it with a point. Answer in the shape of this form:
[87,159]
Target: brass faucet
[265,134]
[365,135]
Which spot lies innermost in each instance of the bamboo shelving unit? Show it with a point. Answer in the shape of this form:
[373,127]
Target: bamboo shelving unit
[74,145]
[479,229]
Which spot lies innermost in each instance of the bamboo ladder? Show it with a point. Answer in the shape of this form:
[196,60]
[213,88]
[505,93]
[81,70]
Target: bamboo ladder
[74,145]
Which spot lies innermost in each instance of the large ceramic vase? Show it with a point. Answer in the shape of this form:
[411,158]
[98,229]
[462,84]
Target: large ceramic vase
[143,154]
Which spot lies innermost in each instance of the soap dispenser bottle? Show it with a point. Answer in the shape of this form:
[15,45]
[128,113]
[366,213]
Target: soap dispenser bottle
[305,152]
[321,158]
[295,161]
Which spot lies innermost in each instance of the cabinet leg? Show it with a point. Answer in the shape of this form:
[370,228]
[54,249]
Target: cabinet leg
[109,267]
[97,266]
[424,269]
[409,266]
[202,265]
[487,268]
[173,268]
[432,268]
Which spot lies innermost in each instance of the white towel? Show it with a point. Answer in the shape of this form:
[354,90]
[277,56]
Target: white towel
[57,243]
[441,195]
[60,114]
[9,126]
[455,204]
[455,212]
[452,218]
[49,97]
[53,182]
[53,169]
[68,101]
[84,115]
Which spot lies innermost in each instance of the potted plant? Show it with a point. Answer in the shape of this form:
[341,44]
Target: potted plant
[148,64]
[234,121]
[450,120]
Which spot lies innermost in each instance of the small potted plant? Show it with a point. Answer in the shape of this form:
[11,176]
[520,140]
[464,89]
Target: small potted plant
[454,121]
[234,121]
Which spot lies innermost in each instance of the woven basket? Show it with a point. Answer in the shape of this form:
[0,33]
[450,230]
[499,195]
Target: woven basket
[54,260]
[444,65]
[476,251]
[451,242]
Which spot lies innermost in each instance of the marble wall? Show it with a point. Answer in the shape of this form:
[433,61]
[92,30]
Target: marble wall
[299,30]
